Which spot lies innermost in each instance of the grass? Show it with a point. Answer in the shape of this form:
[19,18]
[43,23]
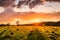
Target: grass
[29,33]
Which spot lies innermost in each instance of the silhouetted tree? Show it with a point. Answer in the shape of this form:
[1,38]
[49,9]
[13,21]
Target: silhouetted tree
[8,24]
[17,23]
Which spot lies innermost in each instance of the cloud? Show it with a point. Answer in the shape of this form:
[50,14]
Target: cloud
[5,3]
[30,3]
[53,0]
[47,8]
[34,3]
[1,9]
[18,3]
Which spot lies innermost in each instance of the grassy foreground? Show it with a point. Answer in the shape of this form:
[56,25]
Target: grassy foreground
[29,33]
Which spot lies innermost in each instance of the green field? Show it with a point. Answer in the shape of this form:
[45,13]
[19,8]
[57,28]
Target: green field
[29,33]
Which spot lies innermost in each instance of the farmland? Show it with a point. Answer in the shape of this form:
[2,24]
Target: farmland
[29,33]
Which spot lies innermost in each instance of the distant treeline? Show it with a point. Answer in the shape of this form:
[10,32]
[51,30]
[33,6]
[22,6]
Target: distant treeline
[8,24]
[36,24]
[44,24]
[52,23]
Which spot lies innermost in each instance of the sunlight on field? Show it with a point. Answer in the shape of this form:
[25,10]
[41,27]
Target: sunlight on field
[19,31]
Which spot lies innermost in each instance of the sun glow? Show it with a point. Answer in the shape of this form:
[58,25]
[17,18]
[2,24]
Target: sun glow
[37,20]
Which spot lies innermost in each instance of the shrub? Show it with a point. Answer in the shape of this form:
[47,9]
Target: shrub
[35,35]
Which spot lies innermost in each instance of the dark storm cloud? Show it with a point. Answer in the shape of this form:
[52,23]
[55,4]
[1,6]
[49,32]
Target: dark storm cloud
[53,0]
[6,3]
[30,3]
[20,3]
[34,3]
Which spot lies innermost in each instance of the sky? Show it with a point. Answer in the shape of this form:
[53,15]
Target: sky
[29,11]
[46,6]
